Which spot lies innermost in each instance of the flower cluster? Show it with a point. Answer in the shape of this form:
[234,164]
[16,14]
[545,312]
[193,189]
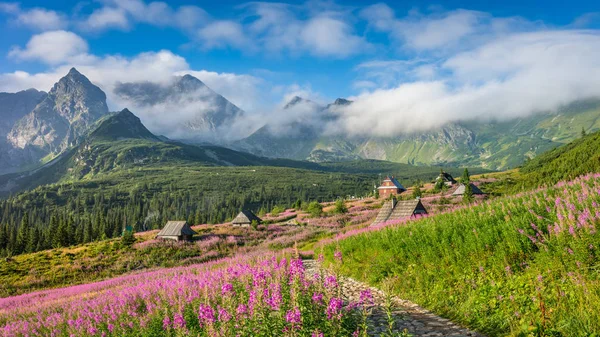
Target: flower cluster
[247,296]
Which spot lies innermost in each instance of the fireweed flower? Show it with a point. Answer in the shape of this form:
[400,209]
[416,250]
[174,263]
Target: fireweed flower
[338,255]
[317,298]
[296,268]
[227,289]
[330,282]
[334,308]
[206,314]
[224,316]
[178,321]
[166,323]
[366,297]
[294,316]
[242,309]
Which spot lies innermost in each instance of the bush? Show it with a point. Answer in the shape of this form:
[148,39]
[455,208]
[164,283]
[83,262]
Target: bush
[340,207]
[315,209]
[417,193]
[128,239]
[277,210]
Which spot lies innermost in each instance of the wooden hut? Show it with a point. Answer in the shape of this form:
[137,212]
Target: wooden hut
[460,190]
[245,218]
[446,178]
[390,186]
[397,210]
[177,231]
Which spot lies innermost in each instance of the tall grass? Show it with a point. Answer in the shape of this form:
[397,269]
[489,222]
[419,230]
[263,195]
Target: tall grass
[525,265]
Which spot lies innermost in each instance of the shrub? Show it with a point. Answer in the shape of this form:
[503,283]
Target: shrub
[340,207]
[315,209]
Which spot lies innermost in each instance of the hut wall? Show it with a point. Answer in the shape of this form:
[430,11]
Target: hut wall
[169,237]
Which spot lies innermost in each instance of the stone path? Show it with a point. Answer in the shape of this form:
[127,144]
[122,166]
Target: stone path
[407,316]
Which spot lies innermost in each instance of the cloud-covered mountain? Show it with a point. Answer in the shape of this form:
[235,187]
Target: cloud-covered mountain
[194,110]
[55,122]
[490,144]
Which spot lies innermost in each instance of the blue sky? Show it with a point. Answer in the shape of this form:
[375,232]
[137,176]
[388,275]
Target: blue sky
[258,54]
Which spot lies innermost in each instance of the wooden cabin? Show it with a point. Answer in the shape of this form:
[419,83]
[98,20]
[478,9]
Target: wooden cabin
[397,210]
[245,218]
[446,178]
[176,231]
[390,186]
[460,190]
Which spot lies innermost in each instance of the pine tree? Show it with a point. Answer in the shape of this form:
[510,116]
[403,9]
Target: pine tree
[468,195]
[23,235]
[466,178]
[32,240]
[583,132]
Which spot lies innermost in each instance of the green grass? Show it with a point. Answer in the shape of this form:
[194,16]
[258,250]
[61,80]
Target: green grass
[476,268]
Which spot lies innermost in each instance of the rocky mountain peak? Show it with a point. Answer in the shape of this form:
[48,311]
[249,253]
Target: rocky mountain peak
[121,125]
[206,110]
[342,101]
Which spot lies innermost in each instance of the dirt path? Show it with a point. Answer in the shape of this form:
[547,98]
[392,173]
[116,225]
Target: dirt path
[407,316]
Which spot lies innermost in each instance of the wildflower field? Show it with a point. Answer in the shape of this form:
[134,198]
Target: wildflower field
[249,296]
[525,265]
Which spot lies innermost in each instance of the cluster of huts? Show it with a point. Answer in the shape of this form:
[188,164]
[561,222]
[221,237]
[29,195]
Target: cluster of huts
[181,230]
[390,211]
[395,210]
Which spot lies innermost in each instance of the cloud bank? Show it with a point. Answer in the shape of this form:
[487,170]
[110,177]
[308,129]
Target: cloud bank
[513,76]
[439,66]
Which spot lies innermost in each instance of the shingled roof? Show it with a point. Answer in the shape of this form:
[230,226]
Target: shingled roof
[393,210]
[395,182]
[246,217]
[461,190]
[176,228]
[446,177]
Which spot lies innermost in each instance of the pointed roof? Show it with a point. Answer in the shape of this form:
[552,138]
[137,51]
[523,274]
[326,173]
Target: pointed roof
[394,181]
[245,217]
[406,208]
[397,210]
[176,228]
[461,189]
[445,176]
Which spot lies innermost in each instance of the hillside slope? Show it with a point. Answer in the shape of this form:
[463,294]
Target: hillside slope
[523,265]
[566,162]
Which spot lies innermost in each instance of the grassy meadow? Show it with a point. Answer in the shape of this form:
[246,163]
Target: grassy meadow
[524,265]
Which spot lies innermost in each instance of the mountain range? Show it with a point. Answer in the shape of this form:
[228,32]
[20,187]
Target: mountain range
[37,127]
[493,145]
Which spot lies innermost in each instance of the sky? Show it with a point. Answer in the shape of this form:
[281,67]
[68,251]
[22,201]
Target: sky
[407,65]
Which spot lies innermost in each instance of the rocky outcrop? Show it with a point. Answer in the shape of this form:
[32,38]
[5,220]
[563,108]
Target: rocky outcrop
[55,123]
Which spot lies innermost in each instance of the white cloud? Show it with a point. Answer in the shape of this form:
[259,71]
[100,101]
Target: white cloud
[105,18]
[513,76]
[442,31]
[54,47]
[122,14]
[277,28]
[35,18]
[221,34]
[326,36]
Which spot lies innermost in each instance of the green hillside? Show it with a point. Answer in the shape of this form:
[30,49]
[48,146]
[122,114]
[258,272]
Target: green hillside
[566,162]
[524,265]
[121,174]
